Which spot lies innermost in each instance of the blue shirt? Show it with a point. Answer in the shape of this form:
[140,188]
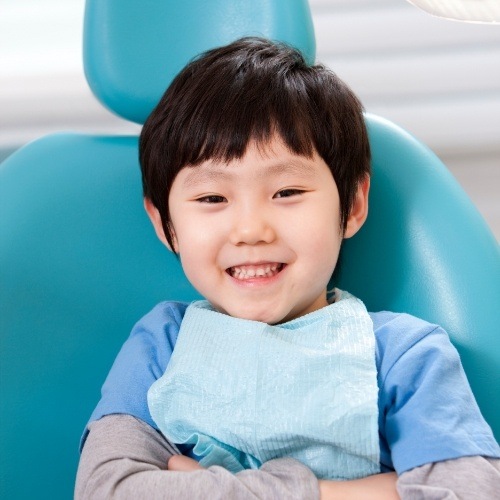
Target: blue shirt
[427,412]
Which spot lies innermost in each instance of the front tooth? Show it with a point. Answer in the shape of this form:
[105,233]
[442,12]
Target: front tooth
[244,273]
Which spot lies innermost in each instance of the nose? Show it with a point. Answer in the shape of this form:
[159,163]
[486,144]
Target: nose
[251,227]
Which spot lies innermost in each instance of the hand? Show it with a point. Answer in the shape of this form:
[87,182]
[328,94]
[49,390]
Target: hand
[379,486]
[181,463]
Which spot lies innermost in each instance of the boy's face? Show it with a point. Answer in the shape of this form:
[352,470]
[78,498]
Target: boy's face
[259,237]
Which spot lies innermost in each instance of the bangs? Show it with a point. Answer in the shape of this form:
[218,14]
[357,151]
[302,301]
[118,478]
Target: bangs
[225,135]
[219,123]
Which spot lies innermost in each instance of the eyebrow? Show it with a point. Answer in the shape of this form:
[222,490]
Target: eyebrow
[294,167]
[203,173]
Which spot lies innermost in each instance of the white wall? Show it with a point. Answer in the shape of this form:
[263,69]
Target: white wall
[438,79]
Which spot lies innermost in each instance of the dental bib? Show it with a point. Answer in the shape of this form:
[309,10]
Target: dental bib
[239,393]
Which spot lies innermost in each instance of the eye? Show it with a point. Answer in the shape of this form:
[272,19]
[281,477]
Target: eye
[286,193]
[211,199]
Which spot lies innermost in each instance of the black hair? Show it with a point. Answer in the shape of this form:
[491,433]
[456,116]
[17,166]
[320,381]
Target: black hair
[248,91]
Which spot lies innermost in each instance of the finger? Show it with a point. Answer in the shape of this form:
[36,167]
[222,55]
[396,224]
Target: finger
[183,464]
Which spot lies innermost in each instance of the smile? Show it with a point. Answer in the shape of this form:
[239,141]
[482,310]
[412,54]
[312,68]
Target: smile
[255,271]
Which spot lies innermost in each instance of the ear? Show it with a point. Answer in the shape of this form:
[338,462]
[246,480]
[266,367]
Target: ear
[359,210]
[155,218]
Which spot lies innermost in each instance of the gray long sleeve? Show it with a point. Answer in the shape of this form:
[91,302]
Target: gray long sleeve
[124,458]
[467,478]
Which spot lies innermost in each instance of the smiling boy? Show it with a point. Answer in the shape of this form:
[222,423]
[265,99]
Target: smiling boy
[255,168]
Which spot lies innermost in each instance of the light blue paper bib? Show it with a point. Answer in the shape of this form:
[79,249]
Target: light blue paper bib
[243,392]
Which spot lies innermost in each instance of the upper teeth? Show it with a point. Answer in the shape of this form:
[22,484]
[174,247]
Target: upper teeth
[246,272]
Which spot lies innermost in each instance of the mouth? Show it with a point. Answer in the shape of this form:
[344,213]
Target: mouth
[255,271]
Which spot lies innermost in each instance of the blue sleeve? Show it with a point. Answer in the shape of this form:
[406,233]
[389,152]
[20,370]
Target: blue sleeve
[140,362]
[427,410]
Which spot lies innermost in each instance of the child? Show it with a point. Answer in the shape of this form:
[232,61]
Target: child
[255,167]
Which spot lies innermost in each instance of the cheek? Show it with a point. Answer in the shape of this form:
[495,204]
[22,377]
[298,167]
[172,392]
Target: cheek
[321,244]
[188,233]
[323,258]
[194,268]
[187,245]
[198,252]
[320,228]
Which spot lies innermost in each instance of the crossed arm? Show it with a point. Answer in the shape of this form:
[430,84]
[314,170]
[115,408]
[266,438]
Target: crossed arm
[125,458]
[381,486]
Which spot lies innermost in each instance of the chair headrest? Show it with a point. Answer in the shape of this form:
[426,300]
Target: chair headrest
[134,48]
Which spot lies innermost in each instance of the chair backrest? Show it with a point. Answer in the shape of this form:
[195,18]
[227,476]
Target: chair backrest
[79,263]
[426,250]
[133,49]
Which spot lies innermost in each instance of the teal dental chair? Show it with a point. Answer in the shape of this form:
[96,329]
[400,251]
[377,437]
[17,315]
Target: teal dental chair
[79,262]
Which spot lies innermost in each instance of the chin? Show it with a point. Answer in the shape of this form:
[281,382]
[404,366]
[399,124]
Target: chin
[260,316]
